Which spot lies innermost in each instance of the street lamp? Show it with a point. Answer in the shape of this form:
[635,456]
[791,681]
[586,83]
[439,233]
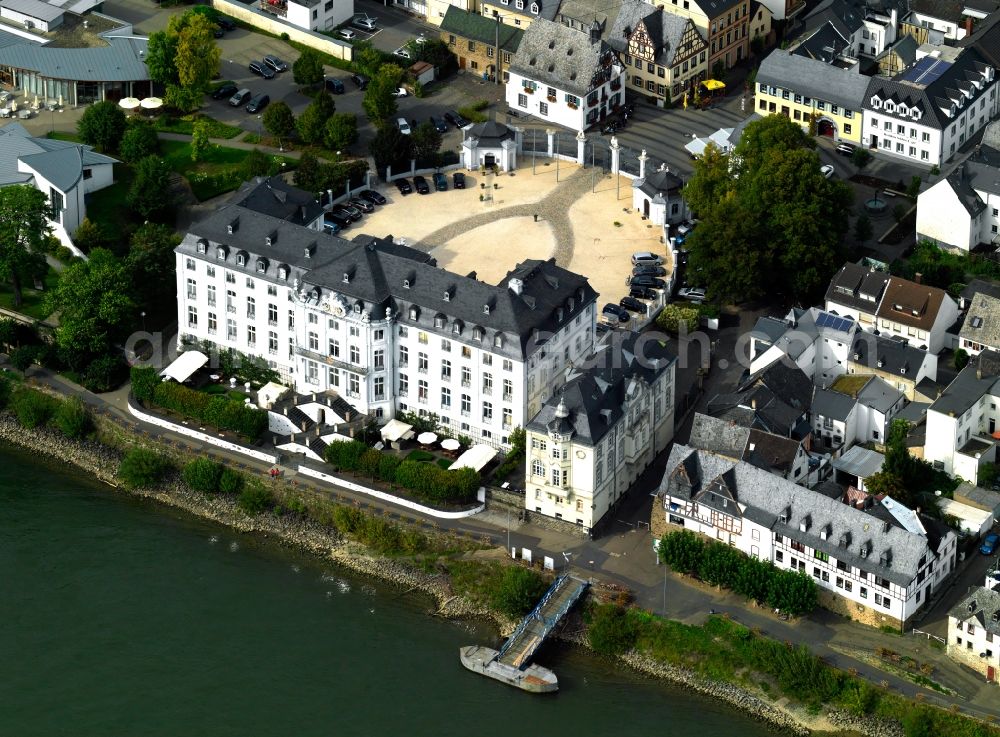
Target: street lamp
[143,314]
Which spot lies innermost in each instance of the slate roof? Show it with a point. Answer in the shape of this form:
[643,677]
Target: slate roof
[479,28]
[59,162]
[979,173]
[859,461]
[595,396]
[119,61]
[771,452]
[984,605]
[981,376]
[881,353]
[943,9]
[775,399]
[824,44]
[879,395]
[660,181]
[844,17]
[893,552]
[718,436]
[986,39]
[935,99]
[912,304]
[905,48]
[813,78]
[560,56]
[856,287]
[490,133]
[33,9]
[547,9]
[715,8]
[982,322]
[275,197]
[832,404]
[980,286]
[665,29]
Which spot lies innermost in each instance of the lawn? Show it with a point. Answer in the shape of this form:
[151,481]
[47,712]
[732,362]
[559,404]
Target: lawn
[63,136]
[850,383]
[185,126]
[32,299]
[219,172]
[106,208]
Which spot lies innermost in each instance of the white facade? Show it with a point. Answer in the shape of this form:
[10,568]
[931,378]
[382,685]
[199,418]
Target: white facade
[943,219]
[974,631]
[323,15]
[555,105]
[948,438]
[945,29]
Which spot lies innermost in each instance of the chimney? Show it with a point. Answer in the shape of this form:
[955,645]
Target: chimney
[968,25]
[286,411]
[918,278]
[304,423]
[753,403]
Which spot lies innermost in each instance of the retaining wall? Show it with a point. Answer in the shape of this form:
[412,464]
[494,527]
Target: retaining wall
[273,24]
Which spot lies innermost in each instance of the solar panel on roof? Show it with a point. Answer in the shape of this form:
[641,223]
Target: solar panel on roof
[925,71]
[834,322]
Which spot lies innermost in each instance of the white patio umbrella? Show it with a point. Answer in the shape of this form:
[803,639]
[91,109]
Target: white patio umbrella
[60,99]
[427,438]
[151,103]
[129,103]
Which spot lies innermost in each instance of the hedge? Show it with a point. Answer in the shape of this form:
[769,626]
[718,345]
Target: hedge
[220,411]
[720,565]
[426,480]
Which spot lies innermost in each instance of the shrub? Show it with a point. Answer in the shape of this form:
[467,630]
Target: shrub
[518,591]
[5,390]
[255,499]
[144,380]
[104,374]
[369,463]
[612,630]
[21,358]
[230,482]
[140,140]
[224,413]
[141,468]
[387,466]
[72,418]
[31,407]
[345,455]
[202,475]
[961,358]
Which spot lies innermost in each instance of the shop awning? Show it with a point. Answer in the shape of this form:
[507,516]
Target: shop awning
[394,430]
[184,366]
[713,85]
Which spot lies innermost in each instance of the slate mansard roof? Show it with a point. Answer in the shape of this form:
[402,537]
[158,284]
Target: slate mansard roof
[856,287]
[594,396]
[852,535]
[665,29]
[534,300]
[560,56]
[933,93]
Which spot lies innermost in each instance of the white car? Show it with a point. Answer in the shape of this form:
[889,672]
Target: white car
[347,33]
[403,52]
[692,294]
[827,170]
[400,92]
[364,22]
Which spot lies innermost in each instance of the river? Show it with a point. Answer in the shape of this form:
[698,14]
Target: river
[123,617]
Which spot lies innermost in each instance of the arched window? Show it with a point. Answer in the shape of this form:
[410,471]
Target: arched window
[537,469]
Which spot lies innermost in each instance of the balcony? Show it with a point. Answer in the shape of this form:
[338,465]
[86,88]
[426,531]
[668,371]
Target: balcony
[466,384]
[508,397]
[330,361]
[231,308]
[274,7]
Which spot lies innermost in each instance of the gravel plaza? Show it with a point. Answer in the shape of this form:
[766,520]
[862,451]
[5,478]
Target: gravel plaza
[584,220]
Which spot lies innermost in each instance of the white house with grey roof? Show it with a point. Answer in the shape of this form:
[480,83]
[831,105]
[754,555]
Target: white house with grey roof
[962,210]
[659,197]
[65,172]
[869,564]
[380,324]
[974,630]
[564,76]
[927,112]
[962,420]
[981,329]
[595,436]
[847,412]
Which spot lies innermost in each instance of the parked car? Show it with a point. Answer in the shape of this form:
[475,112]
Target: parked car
[691,294]
[400,92]
[332,218]
[648,270]
[275,63]
[632,305]
[217,31]
[335,86]
[420,184]
[347,33]
[615,311]
[846,149]
[261,69]
[603,327]
[403,185]
[612,126]
[365,23]
[439,124]
[685,228]
[652,282]
[240,98]
[455,119]
[360,80]
[258,103]
[440,182]
[403,52]
[226,24]
[642,293]
[458,180]
[372,196]
[989,545]
[361,204]
[404,126]
[646,257]
[827,170]
[352,212]
[226,90]
[331,228]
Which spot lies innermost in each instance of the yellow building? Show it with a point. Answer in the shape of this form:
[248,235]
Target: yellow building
[810,91]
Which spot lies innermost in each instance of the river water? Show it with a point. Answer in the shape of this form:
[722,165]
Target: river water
[122,617]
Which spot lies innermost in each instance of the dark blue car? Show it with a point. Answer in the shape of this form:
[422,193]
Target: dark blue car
[989,545]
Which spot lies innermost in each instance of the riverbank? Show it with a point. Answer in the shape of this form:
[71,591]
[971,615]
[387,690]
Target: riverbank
[101,460]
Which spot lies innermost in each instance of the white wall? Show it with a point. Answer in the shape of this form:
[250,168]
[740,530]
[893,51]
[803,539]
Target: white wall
[940,445]
[559,112]
[317,17]
[942,219]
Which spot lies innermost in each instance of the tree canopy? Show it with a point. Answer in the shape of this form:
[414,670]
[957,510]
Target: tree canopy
[907,479]
[279,120]
[426,143]
[311,123]
[149,193]
[184,58]
[102,125]
[341,131]
[380,101]
[390,147]
[24,235]
[771,224]
[140,140]
[308,68]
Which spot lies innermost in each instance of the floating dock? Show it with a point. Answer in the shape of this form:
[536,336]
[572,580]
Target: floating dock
[511,664]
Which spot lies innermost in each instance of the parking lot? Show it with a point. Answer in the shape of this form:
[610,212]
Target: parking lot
[584,221]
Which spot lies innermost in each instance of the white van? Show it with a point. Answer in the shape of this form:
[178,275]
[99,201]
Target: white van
[404,126]
[645,257]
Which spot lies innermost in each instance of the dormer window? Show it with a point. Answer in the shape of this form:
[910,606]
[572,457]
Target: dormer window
[534,8]
[309,250]
[233,226]
[406,283]
[261,265]
[272,238]
[447,295]
[559,314]
[283,273]
[439,321]
[202,245]
[478,333]
[889,107]
[519,4]
[414,313]
[498,341]
[347,278]
[357,308]
[486,309]
[241,259]
[221,253]
[876,103]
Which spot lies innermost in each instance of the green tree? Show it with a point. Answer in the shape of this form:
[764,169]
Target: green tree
[914,188]
[202,475]
[94,308]
[72,418]
[341,131]
[863,227]
[771,224]
[674,315]
[150,261]
[149,194]
[24,236]
[23,357]
[961,358]
[682,550]
[307,70]
[199,140]
[427,143]
[860,157]
[88,236]
[308,174]
[794,592]
[379,101]
[279,121]
[256,164]
[139,141]
[312,122]
[160,53]
[367,59]
[141,468]
[389,147]
[197,57]
[102,125]
[436,53]
[518,591]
